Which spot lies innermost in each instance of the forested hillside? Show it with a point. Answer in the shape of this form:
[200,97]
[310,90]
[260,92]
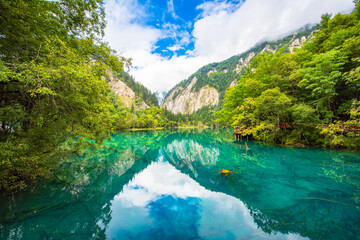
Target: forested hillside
[52,90]
[215,78]
[54,86]
[310,96]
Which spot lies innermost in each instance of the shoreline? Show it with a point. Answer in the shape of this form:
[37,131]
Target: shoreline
[162,128]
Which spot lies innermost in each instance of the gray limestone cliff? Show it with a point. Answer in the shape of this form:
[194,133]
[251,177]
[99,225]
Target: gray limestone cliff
[189,101]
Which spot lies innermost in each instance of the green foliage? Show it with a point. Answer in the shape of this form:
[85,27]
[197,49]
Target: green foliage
[303,114]
[357,8]
[52,88]
[324,23]
[272,106]
[321,75]
[310,96]
[135,117]
[25,25]
[153,117]
[342,134]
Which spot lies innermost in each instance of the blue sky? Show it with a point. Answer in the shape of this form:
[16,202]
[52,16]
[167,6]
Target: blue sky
[178,17]
[181,15]
[169,40]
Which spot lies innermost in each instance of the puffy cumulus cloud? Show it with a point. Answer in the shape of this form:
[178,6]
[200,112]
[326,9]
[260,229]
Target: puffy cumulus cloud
[221,30]
[161,74]
[126,32]
[221,33]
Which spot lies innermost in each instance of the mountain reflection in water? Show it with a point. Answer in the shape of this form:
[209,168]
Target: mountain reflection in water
[166,185]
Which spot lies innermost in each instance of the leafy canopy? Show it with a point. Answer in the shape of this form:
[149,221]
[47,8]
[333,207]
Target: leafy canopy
[52,85]
[283,96]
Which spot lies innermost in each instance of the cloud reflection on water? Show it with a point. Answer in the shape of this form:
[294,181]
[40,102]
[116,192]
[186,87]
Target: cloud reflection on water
[162,203]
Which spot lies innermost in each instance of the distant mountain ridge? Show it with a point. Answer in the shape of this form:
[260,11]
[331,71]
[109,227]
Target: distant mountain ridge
[207,86]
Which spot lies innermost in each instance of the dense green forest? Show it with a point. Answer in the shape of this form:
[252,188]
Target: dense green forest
[310,96]
[52,89]
[204,117]
[135,117]
[155,117]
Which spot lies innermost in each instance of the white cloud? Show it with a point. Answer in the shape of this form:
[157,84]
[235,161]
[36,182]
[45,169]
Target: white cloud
[128,35]
[216,7]
[221,31]
[220,35]
[218,213]
[171,9]
[175,47]
[161,74]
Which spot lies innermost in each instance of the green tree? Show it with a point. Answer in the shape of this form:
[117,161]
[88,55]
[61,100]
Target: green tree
[324,23]
[317,84]
[272,105]
[52,68]
[321,76]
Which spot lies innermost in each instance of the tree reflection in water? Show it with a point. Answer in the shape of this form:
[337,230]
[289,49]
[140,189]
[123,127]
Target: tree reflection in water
[165,185]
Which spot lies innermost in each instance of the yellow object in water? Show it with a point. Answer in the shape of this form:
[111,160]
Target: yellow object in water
[225,172]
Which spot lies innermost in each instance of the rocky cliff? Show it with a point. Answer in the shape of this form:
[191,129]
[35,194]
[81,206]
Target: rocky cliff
[189,101]
[207,86]
[126,95]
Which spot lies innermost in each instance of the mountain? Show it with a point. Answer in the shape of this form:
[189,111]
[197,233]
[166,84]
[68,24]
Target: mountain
[207,86]
[130,92]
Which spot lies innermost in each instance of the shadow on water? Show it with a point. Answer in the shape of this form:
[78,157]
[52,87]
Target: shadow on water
[167,185]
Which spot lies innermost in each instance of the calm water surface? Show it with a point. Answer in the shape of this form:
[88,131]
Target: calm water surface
[166,185]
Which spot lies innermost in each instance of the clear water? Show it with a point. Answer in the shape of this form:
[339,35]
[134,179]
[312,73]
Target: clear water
[166,185]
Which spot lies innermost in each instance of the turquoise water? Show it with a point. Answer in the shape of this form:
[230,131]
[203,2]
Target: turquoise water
[166,185]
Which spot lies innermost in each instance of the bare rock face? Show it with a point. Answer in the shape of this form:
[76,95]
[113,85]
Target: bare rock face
[233,83]
[187,101]
[297,43]
[268,48]
[126,94]
[244,63]
[144,105]
[212,71]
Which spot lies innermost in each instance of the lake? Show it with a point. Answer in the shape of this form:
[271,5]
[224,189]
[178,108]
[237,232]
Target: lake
[168,185]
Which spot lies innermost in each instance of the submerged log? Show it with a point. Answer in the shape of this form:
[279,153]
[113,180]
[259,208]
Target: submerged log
[225,172]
